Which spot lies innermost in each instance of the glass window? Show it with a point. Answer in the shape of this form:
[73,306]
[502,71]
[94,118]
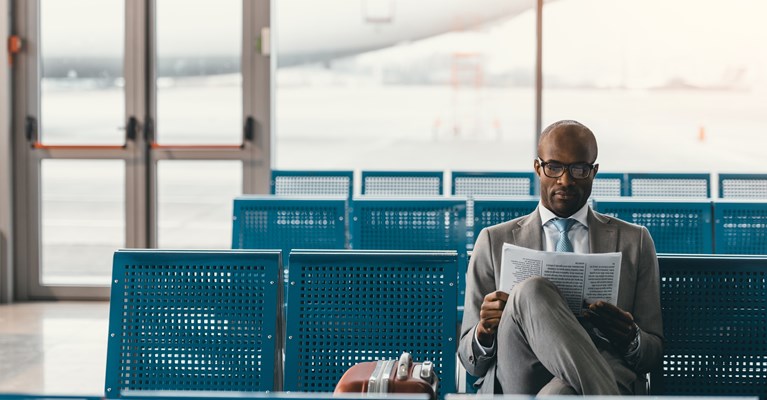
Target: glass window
[195,201]
[384,84]
[678,84]
[83,220]
[81,57]
[199,94]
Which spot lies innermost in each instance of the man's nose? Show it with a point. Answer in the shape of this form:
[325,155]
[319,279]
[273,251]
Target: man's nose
[566,179]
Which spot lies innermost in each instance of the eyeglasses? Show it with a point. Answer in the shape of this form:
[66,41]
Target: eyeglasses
[577,170]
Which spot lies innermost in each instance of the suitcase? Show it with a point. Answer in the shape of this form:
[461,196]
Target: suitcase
[390,376]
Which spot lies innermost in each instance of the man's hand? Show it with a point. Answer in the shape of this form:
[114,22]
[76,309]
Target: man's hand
[490,316]
[617,325]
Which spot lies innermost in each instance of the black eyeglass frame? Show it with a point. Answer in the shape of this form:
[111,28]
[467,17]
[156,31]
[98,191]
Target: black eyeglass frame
[568,167]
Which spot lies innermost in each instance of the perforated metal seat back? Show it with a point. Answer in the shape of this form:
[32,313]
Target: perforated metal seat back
[313,183]
[402,183]
[606,188]
[263,222]
[492,183]
[740,227]
[412,224]
[355,306]
[487,184]
[743,186]
[489,212]
[194,320]
[409,224]
[681,186]
[683,227]
[714,316]
[608,185]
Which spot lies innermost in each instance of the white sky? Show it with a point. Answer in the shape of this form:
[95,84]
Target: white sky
[635,43]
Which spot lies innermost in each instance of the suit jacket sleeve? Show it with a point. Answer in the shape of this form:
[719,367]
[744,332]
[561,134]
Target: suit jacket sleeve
[647,311]
[480,280]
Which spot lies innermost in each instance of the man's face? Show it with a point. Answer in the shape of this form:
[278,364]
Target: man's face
[565,195]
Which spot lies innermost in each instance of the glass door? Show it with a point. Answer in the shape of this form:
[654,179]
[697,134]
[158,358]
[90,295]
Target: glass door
[80,131]
[200,139]
[142,121]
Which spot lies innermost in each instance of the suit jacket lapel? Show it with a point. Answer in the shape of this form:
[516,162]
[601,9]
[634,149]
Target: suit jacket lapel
[529,232]
[603,237]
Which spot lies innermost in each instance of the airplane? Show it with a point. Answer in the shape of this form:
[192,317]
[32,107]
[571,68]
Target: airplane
[331,29]
[313,31]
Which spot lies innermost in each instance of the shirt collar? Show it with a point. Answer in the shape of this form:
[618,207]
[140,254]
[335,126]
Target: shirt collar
[582,215]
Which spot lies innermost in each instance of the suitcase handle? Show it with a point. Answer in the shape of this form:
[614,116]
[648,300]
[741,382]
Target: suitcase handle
[427,371]
[403,366]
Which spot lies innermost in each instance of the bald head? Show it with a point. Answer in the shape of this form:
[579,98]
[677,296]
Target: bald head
[565,145]
[571,133]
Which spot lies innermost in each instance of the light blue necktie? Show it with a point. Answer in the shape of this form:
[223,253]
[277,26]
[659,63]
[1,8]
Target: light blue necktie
[563,226]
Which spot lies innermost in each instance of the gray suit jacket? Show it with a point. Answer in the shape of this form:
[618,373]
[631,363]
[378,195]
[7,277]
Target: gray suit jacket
[638,293]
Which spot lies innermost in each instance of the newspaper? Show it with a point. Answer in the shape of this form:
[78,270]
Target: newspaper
[579,277]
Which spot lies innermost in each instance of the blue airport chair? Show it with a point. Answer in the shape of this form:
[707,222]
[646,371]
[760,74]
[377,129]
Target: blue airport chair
[743,186]
[493,211]
[402,183]
[487,184]
[351,306]
[313,183]
[740,227]
[609,184]
[412,224]
[484,183]
[688,186]
[676,226]
[714,322]
[275,222]
[195,320]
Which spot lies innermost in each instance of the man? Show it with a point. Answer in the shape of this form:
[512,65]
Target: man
[528,341]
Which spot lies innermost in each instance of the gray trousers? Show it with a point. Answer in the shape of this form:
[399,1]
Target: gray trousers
[543,349]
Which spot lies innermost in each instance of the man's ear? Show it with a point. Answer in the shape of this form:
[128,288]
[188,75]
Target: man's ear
[537,167]
[596,169]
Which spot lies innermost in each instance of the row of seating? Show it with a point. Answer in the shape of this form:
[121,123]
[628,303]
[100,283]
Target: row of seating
[213,320]
[677,226]
[269,222]
[494,183]
[688,227]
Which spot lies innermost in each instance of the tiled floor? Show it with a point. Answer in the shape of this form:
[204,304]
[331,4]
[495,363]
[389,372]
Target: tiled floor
[53,347]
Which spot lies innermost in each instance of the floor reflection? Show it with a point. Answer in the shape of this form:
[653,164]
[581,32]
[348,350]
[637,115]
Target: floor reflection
[53,347]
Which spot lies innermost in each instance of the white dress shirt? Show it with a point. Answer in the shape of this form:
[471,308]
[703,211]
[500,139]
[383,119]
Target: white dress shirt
[578,233]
